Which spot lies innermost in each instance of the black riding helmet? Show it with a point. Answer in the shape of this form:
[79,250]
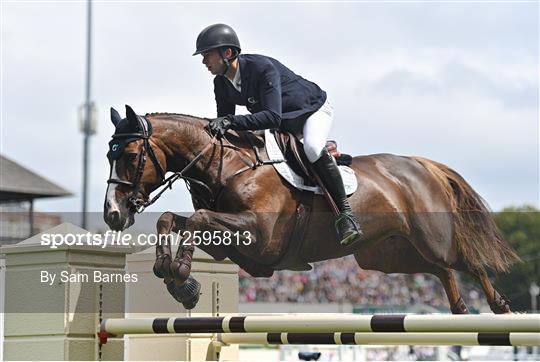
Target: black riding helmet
[217,36]
[221,37]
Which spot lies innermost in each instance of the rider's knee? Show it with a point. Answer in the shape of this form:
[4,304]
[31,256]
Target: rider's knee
[313,152]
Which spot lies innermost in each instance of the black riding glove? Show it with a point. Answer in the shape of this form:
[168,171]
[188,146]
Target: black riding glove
[218,126]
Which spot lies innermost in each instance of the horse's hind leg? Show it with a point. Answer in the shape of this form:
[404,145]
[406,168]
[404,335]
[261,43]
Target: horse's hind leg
[448,280]
[499,304]
[398,255]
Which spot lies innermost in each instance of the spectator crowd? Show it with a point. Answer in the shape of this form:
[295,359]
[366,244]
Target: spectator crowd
[342,281]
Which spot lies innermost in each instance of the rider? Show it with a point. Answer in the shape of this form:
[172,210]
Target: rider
[277,98]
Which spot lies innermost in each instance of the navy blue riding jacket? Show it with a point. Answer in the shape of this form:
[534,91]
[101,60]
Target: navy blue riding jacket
[275,96]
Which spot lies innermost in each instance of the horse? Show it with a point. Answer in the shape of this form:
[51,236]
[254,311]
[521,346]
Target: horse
[417,215]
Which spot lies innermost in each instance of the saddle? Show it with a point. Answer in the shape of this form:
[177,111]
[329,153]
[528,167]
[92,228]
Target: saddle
[293,152]
[296,158]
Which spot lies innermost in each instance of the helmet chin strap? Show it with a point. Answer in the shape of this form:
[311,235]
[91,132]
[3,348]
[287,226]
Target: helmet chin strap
[226,61]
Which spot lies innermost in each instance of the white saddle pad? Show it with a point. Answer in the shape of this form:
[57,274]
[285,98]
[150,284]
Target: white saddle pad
[274,153]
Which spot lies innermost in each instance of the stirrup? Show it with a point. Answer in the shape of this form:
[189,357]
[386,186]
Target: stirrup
[355,235]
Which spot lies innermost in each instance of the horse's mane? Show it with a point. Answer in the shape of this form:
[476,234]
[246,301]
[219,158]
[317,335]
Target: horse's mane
[189,121]
[181,116]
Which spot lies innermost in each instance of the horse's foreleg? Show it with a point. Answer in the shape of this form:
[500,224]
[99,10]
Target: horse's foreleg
[214,222]
[186,292]
[185,288]
[167,223]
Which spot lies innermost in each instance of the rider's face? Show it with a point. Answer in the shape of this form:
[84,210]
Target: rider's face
[212,60]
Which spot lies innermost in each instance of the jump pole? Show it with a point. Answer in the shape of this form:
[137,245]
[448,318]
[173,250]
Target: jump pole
[368,338]
[326,323]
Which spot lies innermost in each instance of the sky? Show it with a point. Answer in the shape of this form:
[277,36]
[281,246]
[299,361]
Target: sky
[456,82]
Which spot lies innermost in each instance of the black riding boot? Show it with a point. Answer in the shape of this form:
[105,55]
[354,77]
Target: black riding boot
[346,223]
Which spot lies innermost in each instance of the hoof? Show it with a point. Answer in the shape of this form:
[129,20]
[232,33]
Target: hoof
[162,266]
[187,293]
[500,304]
[501,309]
[460,307]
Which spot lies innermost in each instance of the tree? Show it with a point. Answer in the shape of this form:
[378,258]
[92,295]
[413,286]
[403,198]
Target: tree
[521,227]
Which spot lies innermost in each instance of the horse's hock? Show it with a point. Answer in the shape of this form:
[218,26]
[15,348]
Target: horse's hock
[58,320]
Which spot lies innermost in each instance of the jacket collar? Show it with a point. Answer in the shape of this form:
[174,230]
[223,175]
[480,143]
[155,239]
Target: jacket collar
[244,73]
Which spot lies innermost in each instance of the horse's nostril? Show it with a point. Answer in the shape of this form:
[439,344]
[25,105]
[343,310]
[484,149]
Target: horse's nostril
[114,217]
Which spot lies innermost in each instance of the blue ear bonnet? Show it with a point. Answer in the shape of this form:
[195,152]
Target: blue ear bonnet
[126,132]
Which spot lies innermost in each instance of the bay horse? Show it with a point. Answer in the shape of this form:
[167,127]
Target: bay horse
[417,215]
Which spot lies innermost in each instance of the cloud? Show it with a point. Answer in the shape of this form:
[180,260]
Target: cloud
[454,82]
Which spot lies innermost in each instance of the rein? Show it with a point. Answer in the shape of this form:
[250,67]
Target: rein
[169,181]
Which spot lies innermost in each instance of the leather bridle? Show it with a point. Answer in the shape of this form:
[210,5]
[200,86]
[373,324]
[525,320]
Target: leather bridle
[136,202]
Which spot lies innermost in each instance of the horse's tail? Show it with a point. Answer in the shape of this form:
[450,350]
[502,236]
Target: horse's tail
[478,239]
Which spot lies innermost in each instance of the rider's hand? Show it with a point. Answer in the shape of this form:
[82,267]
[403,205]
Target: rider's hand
[218,126]
[331,146]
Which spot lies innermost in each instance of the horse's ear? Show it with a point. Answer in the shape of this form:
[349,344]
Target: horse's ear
[131,115]
[115,117]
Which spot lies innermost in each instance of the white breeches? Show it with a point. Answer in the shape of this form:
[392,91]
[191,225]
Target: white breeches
[316,129]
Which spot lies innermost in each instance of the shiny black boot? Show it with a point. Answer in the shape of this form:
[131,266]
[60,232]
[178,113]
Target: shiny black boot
[346,223]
